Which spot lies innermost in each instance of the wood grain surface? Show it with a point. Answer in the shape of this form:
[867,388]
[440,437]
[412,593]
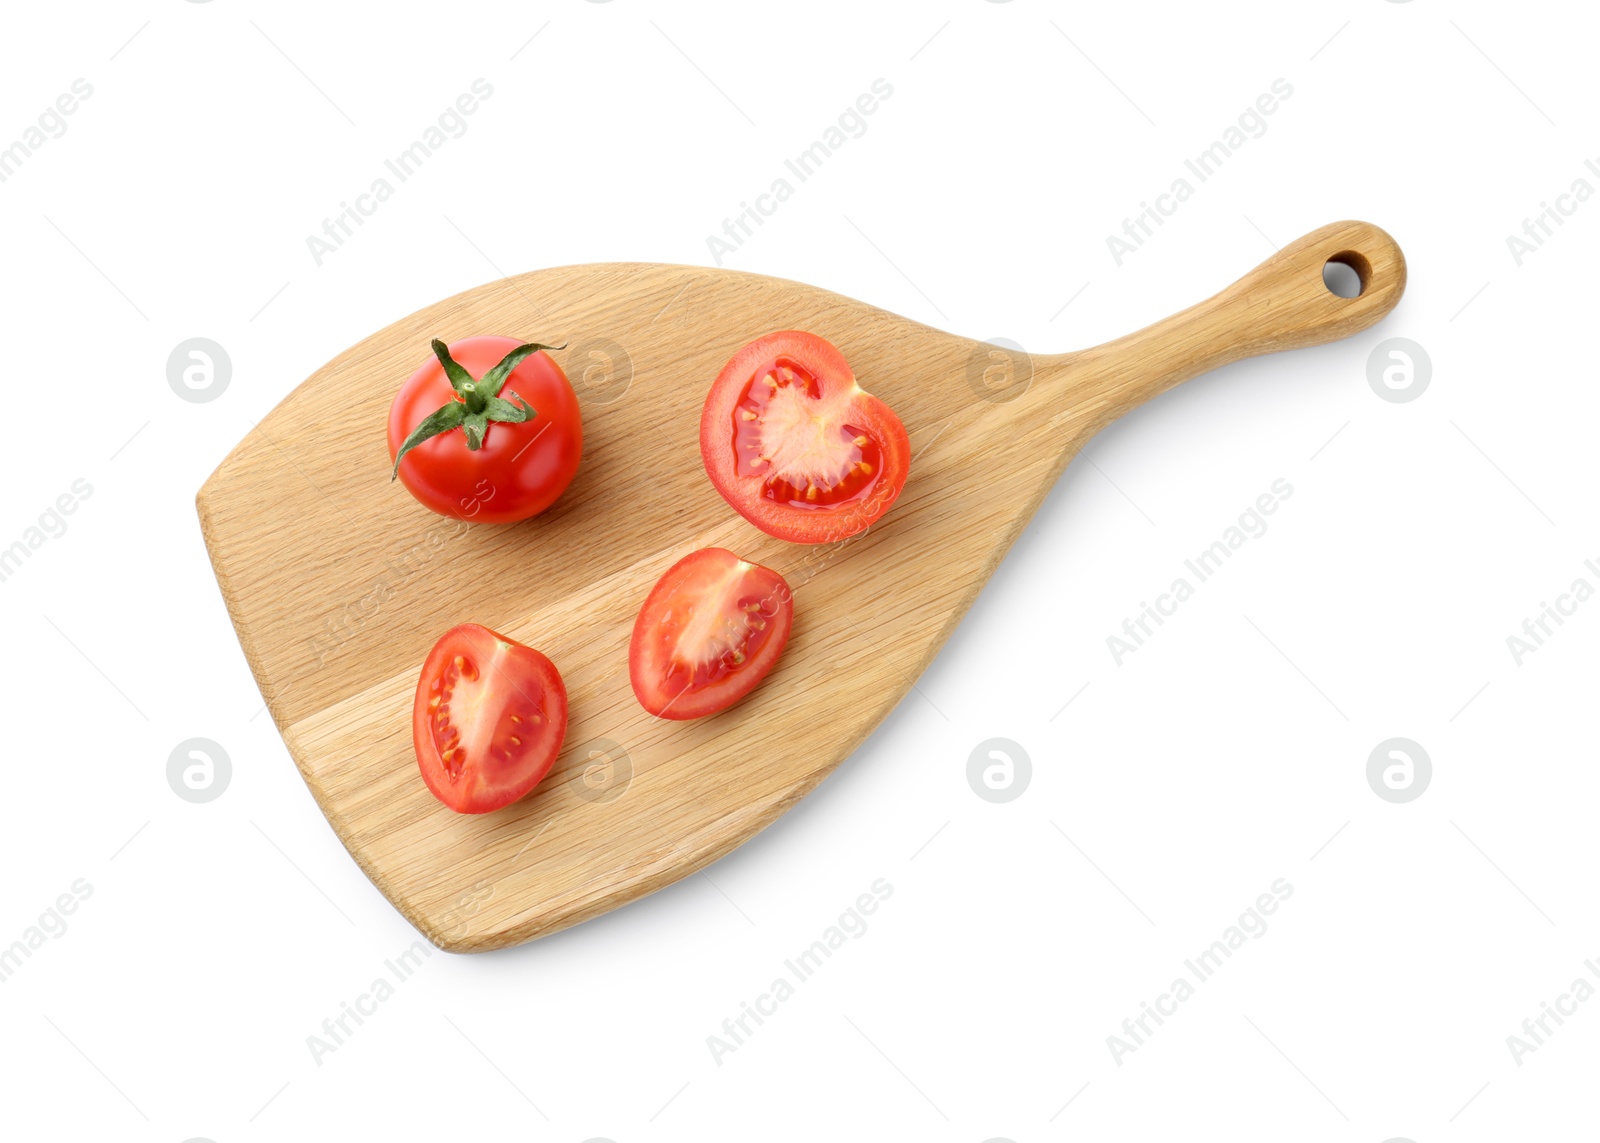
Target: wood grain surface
[338,582]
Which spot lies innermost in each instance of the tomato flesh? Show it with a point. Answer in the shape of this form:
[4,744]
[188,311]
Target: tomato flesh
[488,719]
[709,632]
[796,446]
[805,456]
[521,468]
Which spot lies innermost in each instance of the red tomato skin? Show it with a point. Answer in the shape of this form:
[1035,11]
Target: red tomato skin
[511,477]
[744,493]
[521,666]
[647,666]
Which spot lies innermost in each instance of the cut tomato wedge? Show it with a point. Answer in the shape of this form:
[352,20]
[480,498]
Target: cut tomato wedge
[796,446]
[488,719]
[710,630]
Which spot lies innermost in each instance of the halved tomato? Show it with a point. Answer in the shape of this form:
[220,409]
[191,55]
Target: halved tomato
[796,446]
[709,631]
[488,719]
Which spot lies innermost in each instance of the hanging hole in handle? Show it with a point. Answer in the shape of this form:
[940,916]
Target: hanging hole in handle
[1346,274]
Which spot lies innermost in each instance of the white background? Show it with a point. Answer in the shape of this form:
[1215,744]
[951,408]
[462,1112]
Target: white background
[1228,752]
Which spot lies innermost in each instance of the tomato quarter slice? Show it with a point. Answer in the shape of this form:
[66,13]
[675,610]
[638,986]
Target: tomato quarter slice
[488,719]
[796,446]
[710,630]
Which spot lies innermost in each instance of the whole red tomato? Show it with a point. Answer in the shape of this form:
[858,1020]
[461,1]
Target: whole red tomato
[489,431]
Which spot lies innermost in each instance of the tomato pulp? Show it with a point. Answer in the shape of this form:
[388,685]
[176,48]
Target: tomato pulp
[796,446]
[710,630]
[488,719]
[520,467]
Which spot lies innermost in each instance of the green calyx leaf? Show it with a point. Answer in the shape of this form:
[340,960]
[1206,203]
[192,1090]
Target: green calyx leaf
[512,412]
[458,376]
[478,402]
[475,425]
[441,420]
[495,379]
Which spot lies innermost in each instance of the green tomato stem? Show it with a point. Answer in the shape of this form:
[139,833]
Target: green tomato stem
[480,402]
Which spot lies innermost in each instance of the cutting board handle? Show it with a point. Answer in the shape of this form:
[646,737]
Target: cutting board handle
[1281,304]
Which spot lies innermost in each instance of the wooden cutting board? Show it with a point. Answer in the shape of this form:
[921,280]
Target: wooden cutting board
[338,582]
